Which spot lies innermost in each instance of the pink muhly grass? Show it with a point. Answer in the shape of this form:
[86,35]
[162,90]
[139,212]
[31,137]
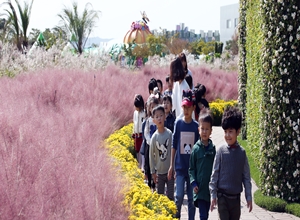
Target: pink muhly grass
[219,84]
[52,124]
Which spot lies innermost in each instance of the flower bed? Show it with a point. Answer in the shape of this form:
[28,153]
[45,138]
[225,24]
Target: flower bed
[217,108]
[142,202]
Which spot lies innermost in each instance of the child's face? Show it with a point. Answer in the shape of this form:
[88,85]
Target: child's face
[167,106]
[205,130]
[160,87]
[151,107]
[170,85]
[230,135]
[188,111]
[159,118]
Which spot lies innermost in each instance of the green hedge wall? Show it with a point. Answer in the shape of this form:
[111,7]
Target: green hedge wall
[281,91]
[271,73]
[242,70]
[254,45]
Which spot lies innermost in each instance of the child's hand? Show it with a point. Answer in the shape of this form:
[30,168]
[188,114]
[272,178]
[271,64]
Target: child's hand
[154,177]
[213,203]
[249,205]
[196,189]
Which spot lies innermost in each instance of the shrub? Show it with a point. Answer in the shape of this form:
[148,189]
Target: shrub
[217,108]
[270,203]
[293,208]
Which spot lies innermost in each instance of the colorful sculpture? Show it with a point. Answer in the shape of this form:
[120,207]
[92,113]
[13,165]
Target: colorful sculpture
[139,31]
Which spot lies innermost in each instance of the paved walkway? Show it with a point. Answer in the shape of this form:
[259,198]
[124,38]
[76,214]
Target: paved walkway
[257,212]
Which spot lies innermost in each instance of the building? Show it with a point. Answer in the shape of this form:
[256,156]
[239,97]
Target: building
[229,19]
[190,35]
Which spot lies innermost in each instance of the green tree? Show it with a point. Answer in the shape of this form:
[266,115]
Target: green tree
[79,25]
[34,33]
[157,45]
[19,27]
[200,47]
[232,45]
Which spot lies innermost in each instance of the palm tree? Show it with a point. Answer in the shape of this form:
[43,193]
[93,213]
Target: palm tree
[24,16]
[19,31]
[79,26]
[12,21]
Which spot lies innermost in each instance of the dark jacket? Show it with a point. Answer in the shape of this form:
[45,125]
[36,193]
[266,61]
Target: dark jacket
[169,122]
[201,163]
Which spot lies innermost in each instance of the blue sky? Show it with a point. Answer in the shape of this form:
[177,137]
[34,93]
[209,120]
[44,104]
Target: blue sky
[117,15]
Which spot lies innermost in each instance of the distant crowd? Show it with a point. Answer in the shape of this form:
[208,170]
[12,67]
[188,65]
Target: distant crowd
[173,147]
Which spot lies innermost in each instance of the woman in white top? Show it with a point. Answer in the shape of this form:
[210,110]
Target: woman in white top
[185,67]
[177,75]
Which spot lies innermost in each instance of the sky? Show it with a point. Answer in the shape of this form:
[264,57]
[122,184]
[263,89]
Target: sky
[117,15]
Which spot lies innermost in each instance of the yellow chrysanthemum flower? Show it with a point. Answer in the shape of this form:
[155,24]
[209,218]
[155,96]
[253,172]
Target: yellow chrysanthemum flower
[142,202]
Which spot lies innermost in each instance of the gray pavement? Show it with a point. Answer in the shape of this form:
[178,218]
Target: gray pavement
[257,212]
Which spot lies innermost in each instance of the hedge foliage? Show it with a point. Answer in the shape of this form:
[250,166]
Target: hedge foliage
[253,70]
[242,70]
[267,201]
[293,208]
[280,162]
[271,71]
[270,203]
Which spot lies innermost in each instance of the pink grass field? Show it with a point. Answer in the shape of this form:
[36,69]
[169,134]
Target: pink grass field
[52,123]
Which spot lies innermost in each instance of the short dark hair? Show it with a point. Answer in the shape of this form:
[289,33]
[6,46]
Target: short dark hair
[152,84]
[199,91]
[167,97]
[176,70]
[167,78]
[159,81]
[232,118]
[206,116]
[158,108]
[139,101]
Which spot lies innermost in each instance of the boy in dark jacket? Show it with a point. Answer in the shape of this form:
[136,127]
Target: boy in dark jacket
[201,162]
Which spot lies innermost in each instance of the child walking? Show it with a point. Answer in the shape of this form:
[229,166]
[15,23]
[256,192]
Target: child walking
[201,102]
[201,162]
[230,170]
[138,117]
[169,89]
[170,119]
[150,128]
[160,153]
[184,137]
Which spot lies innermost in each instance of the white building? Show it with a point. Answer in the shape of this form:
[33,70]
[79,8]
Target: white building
[229,19]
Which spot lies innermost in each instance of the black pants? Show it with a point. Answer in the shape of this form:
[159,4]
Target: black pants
[229,208]
[151,184]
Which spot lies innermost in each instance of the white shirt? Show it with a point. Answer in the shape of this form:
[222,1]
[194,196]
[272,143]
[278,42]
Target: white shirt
[138,118]
[177,96]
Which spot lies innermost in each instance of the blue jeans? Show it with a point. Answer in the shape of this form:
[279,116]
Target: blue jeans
[180,180]
[203,209]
